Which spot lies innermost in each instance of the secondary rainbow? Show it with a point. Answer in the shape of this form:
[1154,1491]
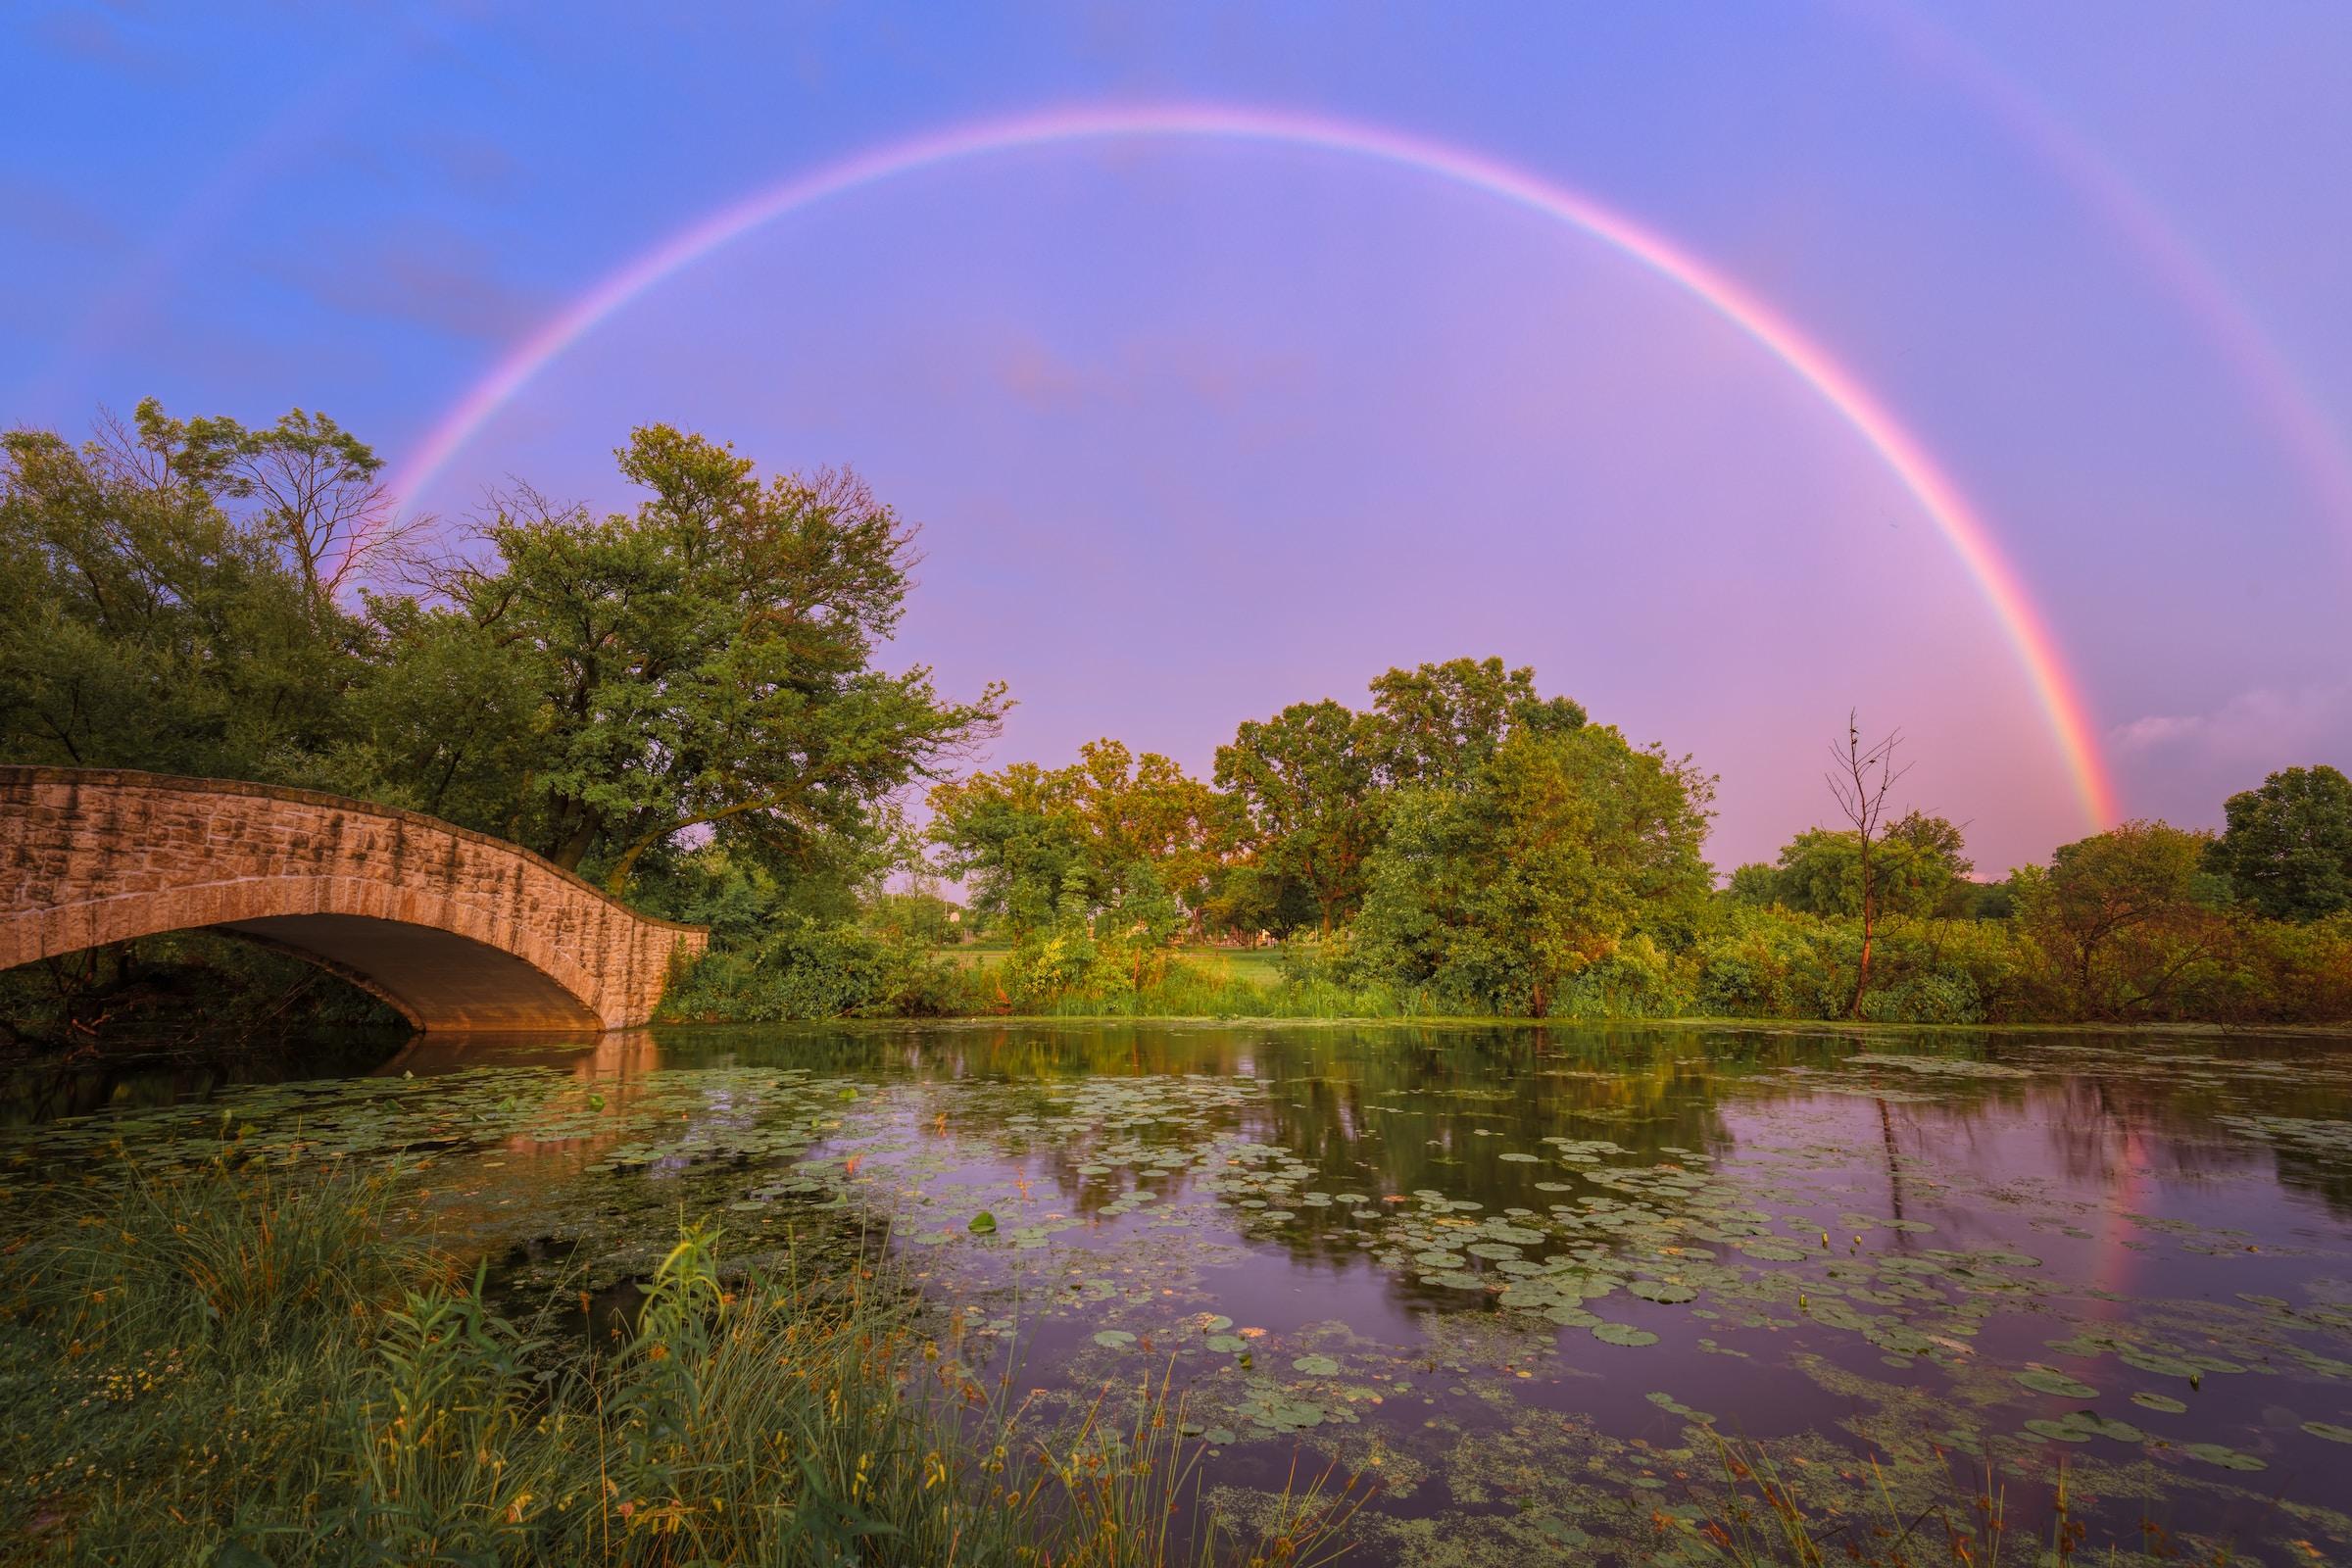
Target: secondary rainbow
[1969,537]
[2262,367]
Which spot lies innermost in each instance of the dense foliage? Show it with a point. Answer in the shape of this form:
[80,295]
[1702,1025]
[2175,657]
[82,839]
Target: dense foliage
[684,701]
[1555,861]
[2287,848]
[592,687]
[662,699]
[1465,840]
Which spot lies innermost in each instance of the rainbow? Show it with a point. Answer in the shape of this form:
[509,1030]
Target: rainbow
[2252,352]
[1966,532]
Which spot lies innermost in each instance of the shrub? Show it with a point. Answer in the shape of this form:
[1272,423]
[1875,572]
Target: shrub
[1639,980]
[1777,963]
[806,968]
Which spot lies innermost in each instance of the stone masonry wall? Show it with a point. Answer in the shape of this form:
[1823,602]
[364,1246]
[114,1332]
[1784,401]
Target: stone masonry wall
[96,855]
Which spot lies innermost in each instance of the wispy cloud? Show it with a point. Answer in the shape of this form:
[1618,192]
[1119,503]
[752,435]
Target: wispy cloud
[89,33]
[44,213]
[433,279]
[2265,724]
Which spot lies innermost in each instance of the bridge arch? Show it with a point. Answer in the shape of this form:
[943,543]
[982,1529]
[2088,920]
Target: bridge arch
[455,929]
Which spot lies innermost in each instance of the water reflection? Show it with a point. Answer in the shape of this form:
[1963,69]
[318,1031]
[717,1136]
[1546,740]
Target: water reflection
[1562,1240]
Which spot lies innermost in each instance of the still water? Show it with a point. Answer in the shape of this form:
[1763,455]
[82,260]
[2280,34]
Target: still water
[1528,1285]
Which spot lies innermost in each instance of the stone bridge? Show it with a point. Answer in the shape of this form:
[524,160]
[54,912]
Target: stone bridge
[455,929]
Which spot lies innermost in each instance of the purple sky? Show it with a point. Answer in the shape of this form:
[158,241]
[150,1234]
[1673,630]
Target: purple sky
[1197,430]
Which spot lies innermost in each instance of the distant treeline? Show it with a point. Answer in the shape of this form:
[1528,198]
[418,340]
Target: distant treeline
[682,702]
[1466,846]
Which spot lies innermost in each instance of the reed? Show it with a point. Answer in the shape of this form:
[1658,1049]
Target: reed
[239,1367]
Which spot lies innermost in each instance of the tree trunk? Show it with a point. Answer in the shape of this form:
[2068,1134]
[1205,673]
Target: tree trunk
[1862,975]
[574,849]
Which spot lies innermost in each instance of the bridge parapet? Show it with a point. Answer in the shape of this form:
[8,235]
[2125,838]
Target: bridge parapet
[455,929]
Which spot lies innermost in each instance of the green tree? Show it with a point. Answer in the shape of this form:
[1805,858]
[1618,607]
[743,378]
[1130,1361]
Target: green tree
[707,663]
[917,914]
[1438,724]
[447,721]
[1146,816]
[150,625]
[2125,921]
[1754,886]
[1985,900]
[1110,832]
[1562,852]
[2287,848]
[1920,866]
[306,484]
[1012,836]
[1303,783]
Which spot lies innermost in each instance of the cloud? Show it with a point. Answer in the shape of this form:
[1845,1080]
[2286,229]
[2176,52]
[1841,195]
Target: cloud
[433,279]
[50,215]
[1028,369]
[476,165]
[2259,726]
[88,34]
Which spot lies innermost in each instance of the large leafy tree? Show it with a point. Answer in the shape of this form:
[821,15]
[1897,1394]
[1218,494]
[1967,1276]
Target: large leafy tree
[708,661]
[1303,784]
[305,483]
[1920,866]
[1549,858]
[1145,814]
[155,620]
[2125,919]
[1012,835]
[1112,831]
[450,722]
[2287,848]
[1438,724]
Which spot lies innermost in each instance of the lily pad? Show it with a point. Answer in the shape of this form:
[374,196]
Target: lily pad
[2043,1380]
[2223,1454]
[2058,1431]
[1623,1333]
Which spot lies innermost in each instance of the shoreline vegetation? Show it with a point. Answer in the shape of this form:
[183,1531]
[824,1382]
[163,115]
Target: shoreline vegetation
[269,1369]
[273,1365]
[685,703]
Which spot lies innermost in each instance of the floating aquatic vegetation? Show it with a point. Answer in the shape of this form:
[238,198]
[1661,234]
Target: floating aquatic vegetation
[1475,1246]
[2223,1454]
[1937,1066]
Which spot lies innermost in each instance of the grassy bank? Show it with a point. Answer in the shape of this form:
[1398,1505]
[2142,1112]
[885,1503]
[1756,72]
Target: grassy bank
[236,1368]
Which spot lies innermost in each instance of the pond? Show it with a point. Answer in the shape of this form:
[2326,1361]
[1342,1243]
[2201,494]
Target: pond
[1529,1286]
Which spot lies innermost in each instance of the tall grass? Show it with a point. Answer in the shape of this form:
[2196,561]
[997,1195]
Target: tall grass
[238,1368]
[1960,1521]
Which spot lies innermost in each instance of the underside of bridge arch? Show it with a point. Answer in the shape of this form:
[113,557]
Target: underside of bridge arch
[435,979]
